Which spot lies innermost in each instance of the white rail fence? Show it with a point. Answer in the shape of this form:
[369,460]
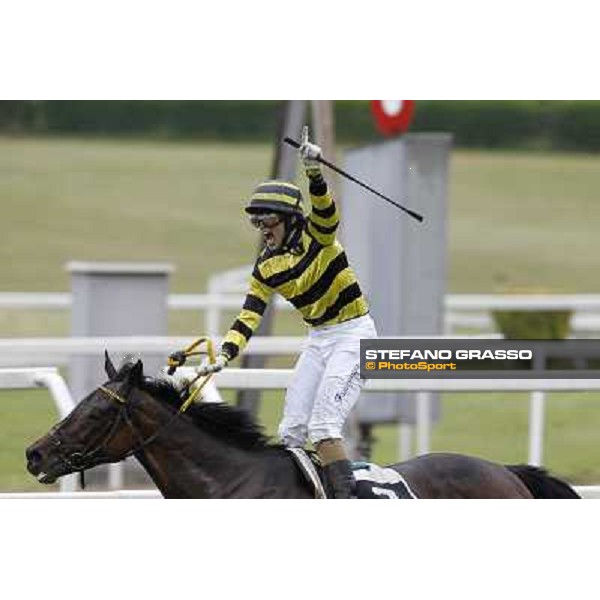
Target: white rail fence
[274,379]
[462,310]
[591,492]
[266,379]
[23,352]
[49,378]
[112,495]
[471,311]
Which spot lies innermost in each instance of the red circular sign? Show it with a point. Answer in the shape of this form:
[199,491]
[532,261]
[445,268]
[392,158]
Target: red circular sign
[392,116]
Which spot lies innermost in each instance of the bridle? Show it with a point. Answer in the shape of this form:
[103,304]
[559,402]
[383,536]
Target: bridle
[81,461]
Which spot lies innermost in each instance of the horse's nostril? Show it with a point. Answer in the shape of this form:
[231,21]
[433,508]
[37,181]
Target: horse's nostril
[34,457]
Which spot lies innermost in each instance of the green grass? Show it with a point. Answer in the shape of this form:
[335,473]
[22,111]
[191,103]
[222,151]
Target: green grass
[516,220]
[103,200]
[524,220]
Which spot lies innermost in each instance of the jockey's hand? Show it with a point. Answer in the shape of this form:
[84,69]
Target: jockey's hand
[176,359]
[178,380]
[310,153]
[219,364]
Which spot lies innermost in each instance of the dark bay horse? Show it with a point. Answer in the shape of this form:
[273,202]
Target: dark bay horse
[216,451]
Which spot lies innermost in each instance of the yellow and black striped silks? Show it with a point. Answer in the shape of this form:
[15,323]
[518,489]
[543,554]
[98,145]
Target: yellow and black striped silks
[318,281]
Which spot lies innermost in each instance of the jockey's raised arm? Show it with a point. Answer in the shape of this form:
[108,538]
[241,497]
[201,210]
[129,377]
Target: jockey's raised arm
[303,261]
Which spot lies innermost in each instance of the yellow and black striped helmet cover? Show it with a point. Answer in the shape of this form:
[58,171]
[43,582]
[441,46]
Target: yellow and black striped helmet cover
[276,195]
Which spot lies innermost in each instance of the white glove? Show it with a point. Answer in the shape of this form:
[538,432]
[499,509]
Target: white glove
[219,364]
[178,380]
[310,153]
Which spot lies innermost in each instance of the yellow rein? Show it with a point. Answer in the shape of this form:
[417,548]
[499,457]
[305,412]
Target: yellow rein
[195,393]
[189,351]
[182,408]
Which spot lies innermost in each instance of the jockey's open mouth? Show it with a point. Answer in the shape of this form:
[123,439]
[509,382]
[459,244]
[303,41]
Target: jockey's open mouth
[269,238]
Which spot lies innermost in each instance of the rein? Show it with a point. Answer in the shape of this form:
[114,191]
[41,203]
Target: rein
[124,411]
[79,461]
[178,359]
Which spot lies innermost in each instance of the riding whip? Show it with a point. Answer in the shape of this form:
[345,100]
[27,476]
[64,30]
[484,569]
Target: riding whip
[408,211]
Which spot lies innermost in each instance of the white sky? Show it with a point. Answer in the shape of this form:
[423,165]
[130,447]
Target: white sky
[305,49]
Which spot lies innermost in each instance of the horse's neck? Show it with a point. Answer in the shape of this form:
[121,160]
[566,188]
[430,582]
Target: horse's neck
[187,462]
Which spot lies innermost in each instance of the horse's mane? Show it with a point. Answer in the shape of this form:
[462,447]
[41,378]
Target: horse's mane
[227,423]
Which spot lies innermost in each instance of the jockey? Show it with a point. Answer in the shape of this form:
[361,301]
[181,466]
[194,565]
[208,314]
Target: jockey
[305,263]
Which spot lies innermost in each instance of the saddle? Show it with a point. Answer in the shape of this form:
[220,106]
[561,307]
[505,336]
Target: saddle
[372,481]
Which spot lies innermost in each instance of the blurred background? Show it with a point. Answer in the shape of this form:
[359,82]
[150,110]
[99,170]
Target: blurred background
[166,181]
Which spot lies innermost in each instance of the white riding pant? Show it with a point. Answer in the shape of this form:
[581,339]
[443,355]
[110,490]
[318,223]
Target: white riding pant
[326,383]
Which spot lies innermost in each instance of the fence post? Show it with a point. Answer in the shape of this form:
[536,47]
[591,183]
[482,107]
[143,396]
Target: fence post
[116,299]
[536,427]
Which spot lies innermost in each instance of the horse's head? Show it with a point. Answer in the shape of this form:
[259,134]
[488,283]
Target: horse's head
[99,430]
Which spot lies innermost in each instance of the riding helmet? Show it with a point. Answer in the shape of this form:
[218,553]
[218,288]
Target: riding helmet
[276,196]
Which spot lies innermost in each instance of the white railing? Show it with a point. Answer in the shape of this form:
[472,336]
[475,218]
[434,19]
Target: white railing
[50,379]
[59,350]
[97,495]
[453,302]
[587,492]
[272,379]
[15,352]
[462,310]
[265,379]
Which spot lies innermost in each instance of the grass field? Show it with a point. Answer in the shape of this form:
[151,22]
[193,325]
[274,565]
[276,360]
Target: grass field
[517,220]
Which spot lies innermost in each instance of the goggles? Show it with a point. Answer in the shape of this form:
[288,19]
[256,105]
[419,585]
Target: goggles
[268,220]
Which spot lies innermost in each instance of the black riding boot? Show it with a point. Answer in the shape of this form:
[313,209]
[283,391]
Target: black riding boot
[340,481]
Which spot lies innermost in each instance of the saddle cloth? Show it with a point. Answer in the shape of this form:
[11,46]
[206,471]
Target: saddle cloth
[372,481]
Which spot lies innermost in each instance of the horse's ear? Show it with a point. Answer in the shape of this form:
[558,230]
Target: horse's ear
[109,367]
[137,372]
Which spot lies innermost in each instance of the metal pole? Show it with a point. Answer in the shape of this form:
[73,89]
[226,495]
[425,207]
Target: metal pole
[116,476]
[537,402]
[64,403]
[423,422]
[536,416]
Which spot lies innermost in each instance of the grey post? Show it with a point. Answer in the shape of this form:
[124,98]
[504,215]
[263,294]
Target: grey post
[116,299]
[401,264]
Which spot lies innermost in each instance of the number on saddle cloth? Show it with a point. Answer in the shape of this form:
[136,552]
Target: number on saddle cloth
[373,481]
